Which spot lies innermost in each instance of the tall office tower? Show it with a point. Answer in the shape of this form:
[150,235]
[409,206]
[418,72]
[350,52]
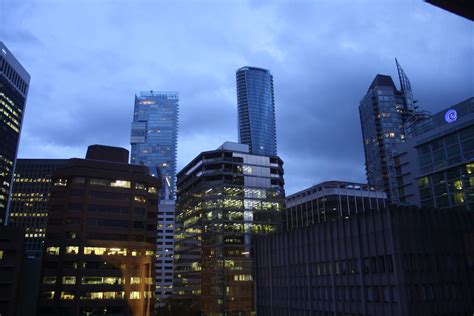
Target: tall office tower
[329,201]
[14,83]
[394,261]
[29,200]
[154,144]
[435,166]
[226,197]
[99,251]
[154,137]
[384,113]
[256,110]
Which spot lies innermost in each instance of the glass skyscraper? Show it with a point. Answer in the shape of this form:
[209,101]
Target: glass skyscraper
[154,144]
[14,84]
[386,114]
[256,110]
[154,136]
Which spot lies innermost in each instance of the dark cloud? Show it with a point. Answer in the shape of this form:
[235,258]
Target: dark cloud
[88,60]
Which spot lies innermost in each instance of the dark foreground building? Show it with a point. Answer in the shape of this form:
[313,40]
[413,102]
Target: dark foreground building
[225,198]
[11,263]
[99,251]
[29,200]
[403,261]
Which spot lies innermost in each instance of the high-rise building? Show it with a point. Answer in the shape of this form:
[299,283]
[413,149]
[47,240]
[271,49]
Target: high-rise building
[256,110]
[29,200]
[99,252]
[435,166]
[226,197]
[154,144]
[384,113]
[154,137]
[14,84]
[331,200]
[397,261]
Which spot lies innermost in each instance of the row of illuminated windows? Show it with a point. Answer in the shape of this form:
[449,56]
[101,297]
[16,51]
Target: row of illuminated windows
[99,251]
[28,214]
[13,127]
[8,103]
[6,114]
[235,227]
[34,235]
[94,280]
[115,295]
[31,180]
[6,160]
[29,195]
[106,182]
[29,200]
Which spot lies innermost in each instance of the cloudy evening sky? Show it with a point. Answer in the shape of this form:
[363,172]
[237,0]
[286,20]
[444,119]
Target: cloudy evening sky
[87,59]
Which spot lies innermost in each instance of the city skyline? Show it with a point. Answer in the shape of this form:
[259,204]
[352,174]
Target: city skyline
[314,72]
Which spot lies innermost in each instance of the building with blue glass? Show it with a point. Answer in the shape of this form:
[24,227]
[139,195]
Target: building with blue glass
[154,144]
[14,84]
[385,114]
[256,110]
[155,135]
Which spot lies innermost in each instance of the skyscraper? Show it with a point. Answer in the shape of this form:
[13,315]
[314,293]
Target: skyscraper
[384,114]
[226,197]
[154,144]
[155,135]
[14,83]
[256,110]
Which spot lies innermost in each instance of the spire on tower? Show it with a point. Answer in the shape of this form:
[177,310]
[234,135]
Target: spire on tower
[405,87]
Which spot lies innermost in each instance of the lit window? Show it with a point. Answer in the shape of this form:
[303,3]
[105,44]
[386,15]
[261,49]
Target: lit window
[1,254]
[149,253]
[52,250]
[117,251]
[120,184]
[67,296]
[49,295]
[60,182]
[94,251]
[134,295]
[73,250]
[139,198]
[147,294]
[148,280]
[69,280]
[242,277]
[135,280]
[151,190]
